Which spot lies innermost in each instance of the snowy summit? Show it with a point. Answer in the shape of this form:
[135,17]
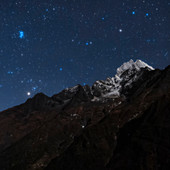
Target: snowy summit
[126,74]
[132,65]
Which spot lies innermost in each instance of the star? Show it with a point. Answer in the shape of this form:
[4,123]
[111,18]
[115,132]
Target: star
[21,34]
[34,88]
[120,30]
[10,72]
[28,93]
[133,12]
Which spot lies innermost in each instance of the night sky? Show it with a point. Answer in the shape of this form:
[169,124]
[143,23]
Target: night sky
[48,45]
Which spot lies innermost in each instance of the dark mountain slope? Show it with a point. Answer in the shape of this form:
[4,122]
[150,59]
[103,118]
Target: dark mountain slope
[143,126]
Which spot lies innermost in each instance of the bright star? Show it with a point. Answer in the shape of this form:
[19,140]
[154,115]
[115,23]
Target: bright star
[87,43]
[28,93]
[147,14]
[103,18]
[120,30]
[21,34]
[133,12]
[61,69]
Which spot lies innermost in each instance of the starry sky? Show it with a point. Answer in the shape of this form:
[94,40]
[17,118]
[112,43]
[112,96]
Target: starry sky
[49,45]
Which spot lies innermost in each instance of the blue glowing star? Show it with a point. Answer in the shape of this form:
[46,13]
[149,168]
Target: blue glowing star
[133,12]
[103,18]
[147,14]
[34,88]
[87,43]
[21,34]
[61,69]
[10,72]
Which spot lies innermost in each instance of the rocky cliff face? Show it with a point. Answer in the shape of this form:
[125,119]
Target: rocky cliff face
[120,123]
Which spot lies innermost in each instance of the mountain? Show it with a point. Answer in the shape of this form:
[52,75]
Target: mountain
[122,122]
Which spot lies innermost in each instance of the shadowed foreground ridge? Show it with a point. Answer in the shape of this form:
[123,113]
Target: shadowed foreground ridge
[94,127]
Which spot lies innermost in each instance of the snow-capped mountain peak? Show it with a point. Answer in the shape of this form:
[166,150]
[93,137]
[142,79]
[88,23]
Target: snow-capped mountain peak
[142,64]
[132,65]
[126,74]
